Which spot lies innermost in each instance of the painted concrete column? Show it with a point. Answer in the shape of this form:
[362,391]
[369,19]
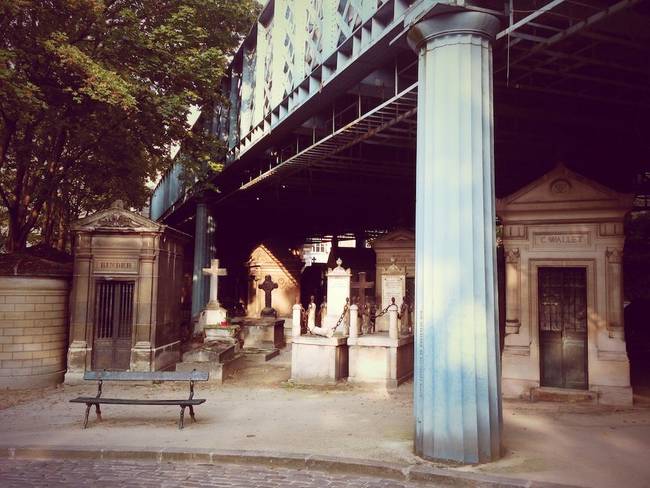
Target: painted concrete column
[457,374]
[199,290]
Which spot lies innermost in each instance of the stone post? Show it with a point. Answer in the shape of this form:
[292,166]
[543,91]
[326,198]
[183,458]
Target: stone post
[141,353]
[296,320]
[354,320]
[513,291]
[457,402]
[80,333]
[393,326]
[614,292]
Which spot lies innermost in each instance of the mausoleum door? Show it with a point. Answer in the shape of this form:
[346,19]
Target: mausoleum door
[563,326]
[113,325]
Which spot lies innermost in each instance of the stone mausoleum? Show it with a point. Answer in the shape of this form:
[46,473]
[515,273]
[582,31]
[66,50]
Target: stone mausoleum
[125,298]
[563,237]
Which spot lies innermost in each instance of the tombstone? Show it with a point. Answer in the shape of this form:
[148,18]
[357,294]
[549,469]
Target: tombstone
[384,358]
[323,357]
[338,295]
[393,290]
[267,287]
[125,301]
[397,245]
[284,269]
[563,239]
[361,286]
[214,315]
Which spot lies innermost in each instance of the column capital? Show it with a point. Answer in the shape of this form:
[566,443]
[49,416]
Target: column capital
[465,22]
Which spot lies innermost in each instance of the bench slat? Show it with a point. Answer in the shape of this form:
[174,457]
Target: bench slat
[134,401]
[146,375]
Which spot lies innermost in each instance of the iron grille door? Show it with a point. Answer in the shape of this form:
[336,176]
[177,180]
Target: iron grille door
[113,325]
[563,327]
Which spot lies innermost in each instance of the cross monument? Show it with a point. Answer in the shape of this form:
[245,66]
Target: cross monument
[214,271]
[267,287]
[362,285]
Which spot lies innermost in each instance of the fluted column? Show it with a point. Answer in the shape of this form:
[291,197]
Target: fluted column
[457,373]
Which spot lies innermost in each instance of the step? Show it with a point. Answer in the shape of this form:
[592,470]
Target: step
[261,355]
[568,395]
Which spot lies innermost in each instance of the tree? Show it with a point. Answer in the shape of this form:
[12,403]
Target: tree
[92,92]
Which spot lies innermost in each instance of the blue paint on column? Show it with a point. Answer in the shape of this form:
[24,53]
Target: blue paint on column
[457,378]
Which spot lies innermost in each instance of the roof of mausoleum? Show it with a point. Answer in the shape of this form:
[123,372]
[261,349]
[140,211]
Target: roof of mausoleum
[117,219]
[564,195]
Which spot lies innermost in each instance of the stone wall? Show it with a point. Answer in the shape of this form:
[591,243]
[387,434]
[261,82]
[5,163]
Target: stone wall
[33,331]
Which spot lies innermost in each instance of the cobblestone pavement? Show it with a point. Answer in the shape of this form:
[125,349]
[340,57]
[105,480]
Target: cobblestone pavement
[127,474]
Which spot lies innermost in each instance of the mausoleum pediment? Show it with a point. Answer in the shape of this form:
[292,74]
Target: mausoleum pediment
[564,195]
[117,218]
[395,238]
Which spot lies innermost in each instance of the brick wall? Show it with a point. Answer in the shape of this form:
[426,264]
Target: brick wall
[33,331]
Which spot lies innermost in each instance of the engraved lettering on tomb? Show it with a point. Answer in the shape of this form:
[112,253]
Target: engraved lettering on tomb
[561,239]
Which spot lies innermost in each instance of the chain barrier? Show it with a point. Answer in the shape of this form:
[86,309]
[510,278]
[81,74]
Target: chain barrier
[345,311]
[384,311]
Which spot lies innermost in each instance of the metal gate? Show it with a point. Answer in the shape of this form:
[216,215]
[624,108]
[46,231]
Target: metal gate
[113,325]
[563,327]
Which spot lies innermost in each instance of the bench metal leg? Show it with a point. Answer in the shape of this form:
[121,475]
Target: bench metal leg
[98,412]
[192,413]
[180,421]
[88,405]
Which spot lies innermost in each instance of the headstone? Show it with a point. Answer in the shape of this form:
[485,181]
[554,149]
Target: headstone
[393,286]
[213,314]
[338,294]
[267,287]
[284,269]
[361,286]
[214,271]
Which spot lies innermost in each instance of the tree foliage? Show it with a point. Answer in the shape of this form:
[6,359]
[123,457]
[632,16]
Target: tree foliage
[92,93]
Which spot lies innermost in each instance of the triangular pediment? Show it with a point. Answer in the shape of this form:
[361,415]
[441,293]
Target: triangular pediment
[262,256]
[563,189]
[116,218]
[395,237]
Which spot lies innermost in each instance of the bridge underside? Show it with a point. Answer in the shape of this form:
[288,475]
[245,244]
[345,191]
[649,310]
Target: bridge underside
[570,85]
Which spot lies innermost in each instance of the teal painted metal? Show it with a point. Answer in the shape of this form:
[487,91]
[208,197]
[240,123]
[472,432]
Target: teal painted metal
[295,48]
[168,191]
[201,259]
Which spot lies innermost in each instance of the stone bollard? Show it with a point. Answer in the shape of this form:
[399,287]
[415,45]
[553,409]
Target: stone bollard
[393,330]
[354,320]
[297,316]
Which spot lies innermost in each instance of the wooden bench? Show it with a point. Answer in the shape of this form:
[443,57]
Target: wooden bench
[101,376]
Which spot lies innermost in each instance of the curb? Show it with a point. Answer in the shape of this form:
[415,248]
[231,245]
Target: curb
[362,467]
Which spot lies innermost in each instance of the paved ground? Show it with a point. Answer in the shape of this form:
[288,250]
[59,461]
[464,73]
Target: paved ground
[258,410]
[125,474]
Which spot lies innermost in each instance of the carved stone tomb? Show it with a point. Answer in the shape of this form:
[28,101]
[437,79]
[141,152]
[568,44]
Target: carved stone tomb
[126,288]
[563,238]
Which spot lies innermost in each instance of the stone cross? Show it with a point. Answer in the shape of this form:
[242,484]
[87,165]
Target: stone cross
[267,287]
[214,271]
[362,285]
